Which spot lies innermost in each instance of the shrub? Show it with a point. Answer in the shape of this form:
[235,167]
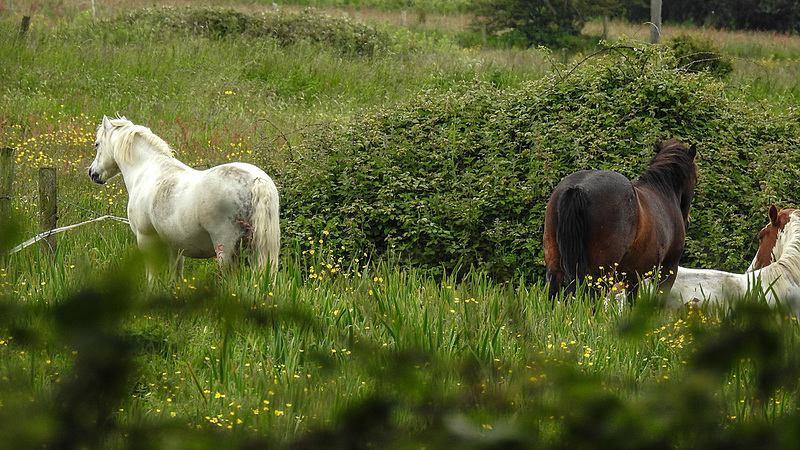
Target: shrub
[698,55]
[286,27]
[533,22]
[463,177]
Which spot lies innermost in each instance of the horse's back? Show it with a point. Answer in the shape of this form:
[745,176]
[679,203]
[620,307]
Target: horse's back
[610,203]
[707,285]
[600,186]
[227,190]
[236,172]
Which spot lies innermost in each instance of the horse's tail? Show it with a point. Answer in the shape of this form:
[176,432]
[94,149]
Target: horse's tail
[571,235]
[266,223]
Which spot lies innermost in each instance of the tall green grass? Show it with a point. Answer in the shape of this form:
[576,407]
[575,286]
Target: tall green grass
[283,361]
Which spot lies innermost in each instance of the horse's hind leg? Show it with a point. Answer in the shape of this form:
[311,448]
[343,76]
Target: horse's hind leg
[224,255]
[554,279]
[665,285]
[226,248]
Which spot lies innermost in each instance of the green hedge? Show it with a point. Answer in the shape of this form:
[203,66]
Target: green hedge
[286,27]
[461,178]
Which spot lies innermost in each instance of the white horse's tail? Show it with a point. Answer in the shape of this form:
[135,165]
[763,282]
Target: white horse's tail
[266,223]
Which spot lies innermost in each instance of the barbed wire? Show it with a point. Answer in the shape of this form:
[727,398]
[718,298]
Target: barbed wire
[46,234]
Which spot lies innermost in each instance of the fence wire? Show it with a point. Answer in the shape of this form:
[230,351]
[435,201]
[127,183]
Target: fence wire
[46,234]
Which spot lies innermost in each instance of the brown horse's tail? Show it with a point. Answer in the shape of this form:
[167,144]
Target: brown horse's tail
[571,235]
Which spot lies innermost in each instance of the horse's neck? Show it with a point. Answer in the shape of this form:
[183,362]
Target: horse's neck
[144,165]
[784,274]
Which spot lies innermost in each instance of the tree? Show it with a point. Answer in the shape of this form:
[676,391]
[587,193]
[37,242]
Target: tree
[544,22]
[655,21]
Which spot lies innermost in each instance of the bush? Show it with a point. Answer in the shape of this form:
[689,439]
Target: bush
[531,22]
[463,177]
[348,36]
[697,55]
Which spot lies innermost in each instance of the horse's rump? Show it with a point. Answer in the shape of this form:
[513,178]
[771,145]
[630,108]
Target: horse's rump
[248,200]
[590,219]
[612,226]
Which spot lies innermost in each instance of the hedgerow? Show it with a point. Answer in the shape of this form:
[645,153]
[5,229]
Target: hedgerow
[461,178]
[286,27]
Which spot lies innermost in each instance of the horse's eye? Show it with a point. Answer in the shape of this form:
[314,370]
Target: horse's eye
[96,145]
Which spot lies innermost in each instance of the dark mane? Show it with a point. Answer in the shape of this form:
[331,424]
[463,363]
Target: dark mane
[671,169]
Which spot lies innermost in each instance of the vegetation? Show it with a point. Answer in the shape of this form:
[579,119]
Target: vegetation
[285,28]
[699,56]
[780,16]
[383,330]
[462,177]
[555,24]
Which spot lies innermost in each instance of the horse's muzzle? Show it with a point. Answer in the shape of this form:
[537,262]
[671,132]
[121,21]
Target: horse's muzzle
[96,177]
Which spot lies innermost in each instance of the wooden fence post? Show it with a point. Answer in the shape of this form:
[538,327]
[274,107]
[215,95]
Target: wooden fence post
[48,209]
[24,26]
[7,228]
[6,179]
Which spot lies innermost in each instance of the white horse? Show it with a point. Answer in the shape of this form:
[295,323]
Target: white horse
[176,209]
[779,281]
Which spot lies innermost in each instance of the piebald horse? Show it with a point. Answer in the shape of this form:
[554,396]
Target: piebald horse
[778,278]
[768,237]
[177,210]
[598,223]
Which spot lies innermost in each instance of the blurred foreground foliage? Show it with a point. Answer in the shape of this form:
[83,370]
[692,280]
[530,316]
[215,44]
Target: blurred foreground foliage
[555,405]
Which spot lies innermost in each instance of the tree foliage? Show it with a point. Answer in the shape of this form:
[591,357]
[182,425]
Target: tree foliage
[775,15]
[543,22]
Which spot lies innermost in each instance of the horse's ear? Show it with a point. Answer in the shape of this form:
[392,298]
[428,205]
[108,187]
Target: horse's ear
[107,124]
[693,150]
[657,147]
[773,215]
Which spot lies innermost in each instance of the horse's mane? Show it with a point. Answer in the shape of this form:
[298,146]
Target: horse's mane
[787,268]
[128,132]
[670,169]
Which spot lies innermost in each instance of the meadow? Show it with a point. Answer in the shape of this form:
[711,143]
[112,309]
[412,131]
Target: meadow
[343,349]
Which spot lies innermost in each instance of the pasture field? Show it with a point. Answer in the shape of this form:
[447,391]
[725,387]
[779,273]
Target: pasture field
[342,349]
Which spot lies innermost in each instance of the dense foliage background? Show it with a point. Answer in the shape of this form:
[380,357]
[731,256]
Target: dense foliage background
[772,15]
[462,177]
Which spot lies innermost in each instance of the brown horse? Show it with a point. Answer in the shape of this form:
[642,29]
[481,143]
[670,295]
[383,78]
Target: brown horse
[600,224]
[768,236]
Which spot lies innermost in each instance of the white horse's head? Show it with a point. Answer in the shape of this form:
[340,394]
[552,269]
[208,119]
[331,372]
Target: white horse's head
[104,166]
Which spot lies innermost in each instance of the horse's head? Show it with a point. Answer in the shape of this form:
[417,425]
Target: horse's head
[768,252]
[104,165]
